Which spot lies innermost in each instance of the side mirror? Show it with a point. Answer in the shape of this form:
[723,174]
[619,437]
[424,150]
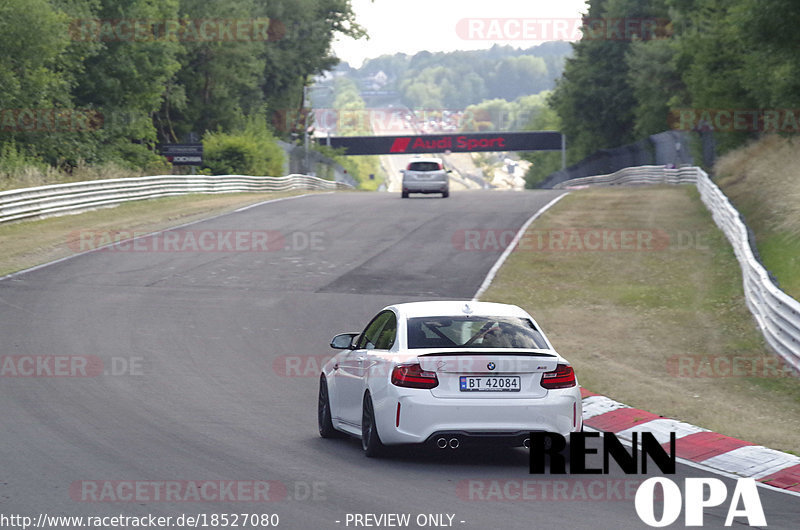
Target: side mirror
[343,341]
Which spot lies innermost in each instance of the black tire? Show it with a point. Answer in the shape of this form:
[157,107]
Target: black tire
[445,194]
[370,441]
[404,194]
[326,429]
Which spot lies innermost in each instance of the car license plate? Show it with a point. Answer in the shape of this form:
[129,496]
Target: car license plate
[489,383]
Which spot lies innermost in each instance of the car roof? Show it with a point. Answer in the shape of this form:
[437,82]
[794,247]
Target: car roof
[458,308]
[427,159]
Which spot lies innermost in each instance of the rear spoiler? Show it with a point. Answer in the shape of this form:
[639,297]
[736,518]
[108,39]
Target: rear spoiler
[447,352]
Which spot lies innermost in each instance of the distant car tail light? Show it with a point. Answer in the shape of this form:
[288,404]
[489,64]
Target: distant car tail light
[413,376]
[562,377]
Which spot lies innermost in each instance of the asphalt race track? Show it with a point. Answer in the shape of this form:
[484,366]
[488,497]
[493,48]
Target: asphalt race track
[209,374]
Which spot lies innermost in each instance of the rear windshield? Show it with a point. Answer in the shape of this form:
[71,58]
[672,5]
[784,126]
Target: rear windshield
[473,332]
[424,166]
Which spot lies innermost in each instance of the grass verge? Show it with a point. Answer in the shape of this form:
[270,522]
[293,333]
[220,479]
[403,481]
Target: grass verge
[25,244]
[763,182]
[643,294]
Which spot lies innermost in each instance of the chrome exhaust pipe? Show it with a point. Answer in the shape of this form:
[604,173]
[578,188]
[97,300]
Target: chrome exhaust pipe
[454,443]
[441,443]
[526,443]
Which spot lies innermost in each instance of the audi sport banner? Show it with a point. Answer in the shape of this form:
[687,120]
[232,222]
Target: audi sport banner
[455,143]
[183,154]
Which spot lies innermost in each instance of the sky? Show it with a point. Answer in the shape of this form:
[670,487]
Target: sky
[410,26]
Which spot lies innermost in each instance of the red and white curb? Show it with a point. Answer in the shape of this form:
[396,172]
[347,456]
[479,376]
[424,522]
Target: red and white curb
[695,444]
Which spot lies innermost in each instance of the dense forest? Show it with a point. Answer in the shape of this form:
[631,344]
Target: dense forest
[91,82]
[711,55]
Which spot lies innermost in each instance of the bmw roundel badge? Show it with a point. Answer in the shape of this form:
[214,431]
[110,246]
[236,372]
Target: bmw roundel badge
[490,366]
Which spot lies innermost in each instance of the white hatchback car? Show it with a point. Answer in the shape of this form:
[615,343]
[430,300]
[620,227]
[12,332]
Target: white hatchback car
[447,374]
[426,175]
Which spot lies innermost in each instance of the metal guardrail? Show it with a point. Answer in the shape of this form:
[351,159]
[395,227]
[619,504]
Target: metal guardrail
[777,313]
[635,175]
[46,201]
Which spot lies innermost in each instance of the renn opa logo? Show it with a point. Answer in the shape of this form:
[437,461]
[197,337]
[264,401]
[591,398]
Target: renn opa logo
[698,494]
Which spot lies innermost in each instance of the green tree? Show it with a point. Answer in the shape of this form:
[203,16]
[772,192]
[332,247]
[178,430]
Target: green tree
[125,80]
[656,84]
[516,76]
[594,97]
[39,67]
[32,64]
[303,48]
[543,163]
[218,81]
[771,70]
[455,80]
[353,120]
[711,59]
[251,150]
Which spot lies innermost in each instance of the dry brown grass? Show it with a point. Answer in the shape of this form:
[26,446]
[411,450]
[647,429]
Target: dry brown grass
[763,181]
[621,317]
[766,173]
[25,244]
[32,176]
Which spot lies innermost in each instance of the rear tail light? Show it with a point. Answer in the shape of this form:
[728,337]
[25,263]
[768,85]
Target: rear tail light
[562,377]
[413,376]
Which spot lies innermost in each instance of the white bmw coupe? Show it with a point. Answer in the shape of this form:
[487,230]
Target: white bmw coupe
[447,374]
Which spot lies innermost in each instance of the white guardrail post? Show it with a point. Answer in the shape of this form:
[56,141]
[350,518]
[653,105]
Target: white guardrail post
[777,313]
[45,201]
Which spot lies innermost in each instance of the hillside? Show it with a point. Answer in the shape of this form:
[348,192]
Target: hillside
[454,80]
[762,179]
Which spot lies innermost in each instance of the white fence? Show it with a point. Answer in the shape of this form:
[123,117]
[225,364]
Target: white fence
[45,201]
[777,313]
